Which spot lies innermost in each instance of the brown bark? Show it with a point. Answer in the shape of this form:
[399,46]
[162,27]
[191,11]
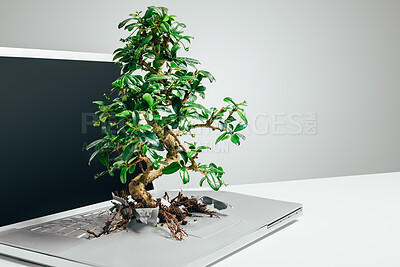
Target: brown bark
[137,184]
[139,193]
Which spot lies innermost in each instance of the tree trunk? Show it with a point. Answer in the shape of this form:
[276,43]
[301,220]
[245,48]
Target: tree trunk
[139,193]
[137,184]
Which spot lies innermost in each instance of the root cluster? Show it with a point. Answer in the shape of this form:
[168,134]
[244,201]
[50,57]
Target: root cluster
[172,213]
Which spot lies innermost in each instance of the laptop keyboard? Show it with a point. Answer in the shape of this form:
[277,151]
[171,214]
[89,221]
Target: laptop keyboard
[74,226]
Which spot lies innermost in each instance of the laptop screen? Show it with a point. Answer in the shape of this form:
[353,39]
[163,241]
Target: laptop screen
[46,121]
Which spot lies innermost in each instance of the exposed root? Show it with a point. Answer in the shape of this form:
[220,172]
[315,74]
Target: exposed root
[171,221]
[120,218]
[174,215]
[191,205]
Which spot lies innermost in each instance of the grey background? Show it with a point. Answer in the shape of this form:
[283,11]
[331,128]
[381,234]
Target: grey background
[337,59]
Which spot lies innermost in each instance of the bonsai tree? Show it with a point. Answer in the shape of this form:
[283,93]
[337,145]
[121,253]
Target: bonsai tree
[154,103]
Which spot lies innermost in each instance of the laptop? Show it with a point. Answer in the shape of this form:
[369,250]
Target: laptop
[48,194]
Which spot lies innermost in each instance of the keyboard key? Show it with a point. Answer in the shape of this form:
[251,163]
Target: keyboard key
[66,231]
[57,228]
[77,233]
[75,226]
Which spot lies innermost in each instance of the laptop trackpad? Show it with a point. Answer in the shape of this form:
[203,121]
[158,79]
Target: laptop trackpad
[39,242]
[205,226]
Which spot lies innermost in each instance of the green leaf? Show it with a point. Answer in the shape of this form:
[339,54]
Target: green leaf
[111,172]
[124,114]
[191,145]
[131,160]
[122,176]
[147,39]
[158,77]
[220,171]
[135,117]
[190,61]
[208,75]
[184,174]
[235,139]
[103,158]
[165,26]
[122,24]
[117,83]
[92,156]
[150,55]
[230,128]
[156,165]
[118,163]
[242,116]
[94,143]
[122,129]
[145,149]
[213,181]
[196,105]
[107,131]
[186,78]
[229,100]
[153,154]
[171,168]
[183,155]
[145,127]
[203,167]
[200,148]
[202,180]
[131,26]
[128,152]
[103,117]
[201,88]
[191,153]
[176,104]
[118,55]
[175,49]
[221,137]
[230,119]
[241,136]
[132,169]
[212,165]
[147,97]
[222,125]
[150,138]
[132,66]
[239,127]
[100,103]
[187,38]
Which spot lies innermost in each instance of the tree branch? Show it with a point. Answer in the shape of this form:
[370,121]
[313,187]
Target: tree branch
[230,114]
[147,67]
[186,97]
[177,139]
[196,169]
[194,165]
[212,117]
[205,126]
[135,162]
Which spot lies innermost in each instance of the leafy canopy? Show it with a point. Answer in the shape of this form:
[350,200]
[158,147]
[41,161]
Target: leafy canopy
[153,103]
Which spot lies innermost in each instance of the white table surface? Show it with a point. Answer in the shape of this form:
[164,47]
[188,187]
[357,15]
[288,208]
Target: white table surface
[347,221]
